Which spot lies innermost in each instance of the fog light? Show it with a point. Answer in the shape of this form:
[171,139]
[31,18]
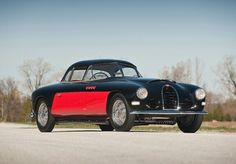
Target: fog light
[203,103]
[135,103]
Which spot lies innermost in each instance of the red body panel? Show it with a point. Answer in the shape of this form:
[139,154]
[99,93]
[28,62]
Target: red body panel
[79,103]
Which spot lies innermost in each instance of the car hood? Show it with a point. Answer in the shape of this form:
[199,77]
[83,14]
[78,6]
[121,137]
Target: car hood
[161,82]
[150,80]
[155,85]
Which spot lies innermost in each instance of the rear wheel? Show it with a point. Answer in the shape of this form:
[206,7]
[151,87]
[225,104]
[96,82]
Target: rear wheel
[119,113]
[106,127]
[190,124]
[45,121]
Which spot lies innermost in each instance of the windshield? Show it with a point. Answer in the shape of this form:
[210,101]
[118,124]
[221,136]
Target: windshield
[104,71]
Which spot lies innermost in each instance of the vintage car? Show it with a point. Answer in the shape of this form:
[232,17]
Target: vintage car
[114,95]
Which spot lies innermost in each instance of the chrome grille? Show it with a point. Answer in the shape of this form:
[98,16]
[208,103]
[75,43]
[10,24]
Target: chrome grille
[170,99]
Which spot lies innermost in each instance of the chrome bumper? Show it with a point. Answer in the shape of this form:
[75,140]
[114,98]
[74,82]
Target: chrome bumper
[168,112]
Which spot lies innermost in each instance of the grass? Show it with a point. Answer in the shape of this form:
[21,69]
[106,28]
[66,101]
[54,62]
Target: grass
[217,126]
[214,126]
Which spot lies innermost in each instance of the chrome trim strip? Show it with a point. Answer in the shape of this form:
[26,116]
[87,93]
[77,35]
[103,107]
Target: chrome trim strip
[163,102]
[169,112]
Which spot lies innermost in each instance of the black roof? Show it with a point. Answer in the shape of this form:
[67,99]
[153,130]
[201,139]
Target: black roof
[86,63]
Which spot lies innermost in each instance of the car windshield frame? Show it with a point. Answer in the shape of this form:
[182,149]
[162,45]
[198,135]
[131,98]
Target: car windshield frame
[119,66]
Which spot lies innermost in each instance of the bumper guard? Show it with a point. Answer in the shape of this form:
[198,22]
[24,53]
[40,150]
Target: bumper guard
[167,112]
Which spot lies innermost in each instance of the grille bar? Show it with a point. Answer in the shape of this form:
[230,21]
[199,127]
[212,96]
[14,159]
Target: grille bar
[170,97]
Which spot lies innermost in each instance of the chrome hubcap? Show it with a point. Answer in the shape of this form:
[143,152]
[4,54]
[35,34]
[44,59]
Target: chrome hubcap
[119,112]
[43,114]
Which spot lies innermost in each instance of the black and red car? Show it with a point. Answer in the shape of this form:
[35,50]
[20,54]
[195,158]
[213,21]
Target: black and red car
[113,95]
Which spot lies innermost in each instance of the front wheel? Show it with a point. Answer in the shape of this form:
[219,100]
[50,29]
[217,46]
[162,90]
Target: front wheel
[119,113]
[190,124]
[45,121]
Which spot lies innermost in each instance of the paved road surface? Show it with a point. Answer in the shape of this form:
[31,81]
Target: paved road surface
[25,145]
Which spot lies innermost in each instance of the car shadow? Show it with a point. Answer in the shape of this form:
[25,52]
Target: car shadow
[26,127]
[75,130]
[65,130]
[98,130]
[147,131]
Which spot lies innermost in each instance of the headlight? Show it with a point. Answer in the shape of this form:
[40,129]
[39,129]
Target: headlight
[200,94]
[142,93]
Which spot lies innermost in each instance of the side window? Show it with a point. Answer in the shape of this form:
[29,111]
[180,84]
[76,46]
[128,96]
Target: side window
[88,75]
[130,72]
[96,75]
[67,76]
[77,75]
[118,74]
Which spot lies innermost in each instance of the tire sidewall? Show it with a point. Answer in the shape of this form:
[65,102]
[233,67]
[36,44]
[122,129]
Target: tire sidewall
[191,127]
[129,122]
[50,122]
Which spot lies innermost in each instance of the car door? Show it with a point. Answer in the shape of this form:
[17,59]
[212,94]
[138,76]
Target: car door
[78,97]
[95,99]
[68,100]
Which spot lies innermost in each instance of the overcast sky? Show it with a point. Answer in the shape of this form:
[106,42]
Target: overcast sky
[150,34]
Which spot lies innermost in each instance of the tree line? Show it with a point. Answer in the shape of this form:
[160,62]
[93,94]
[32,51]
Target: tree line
[221,107]
[15,104]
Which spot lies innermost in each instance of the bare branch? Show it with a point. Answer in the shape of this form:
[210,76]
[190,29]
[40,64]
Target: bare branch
[198,72]
[34,73]
[10,100]
[226,73]
[179,72]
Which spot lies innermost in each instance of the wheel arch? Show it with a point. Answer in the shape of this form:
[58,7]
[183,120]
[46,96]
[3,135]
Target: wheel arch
[37,101]
[111,94]
[126,95]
